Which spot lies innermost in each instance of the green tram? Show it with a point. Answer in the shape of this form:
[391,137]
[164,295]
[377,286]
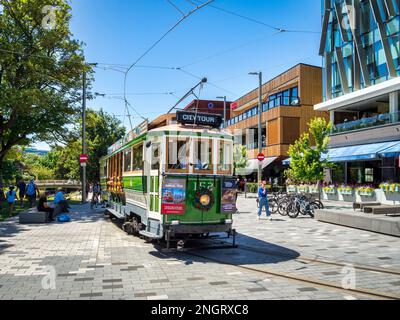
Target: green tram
[174,181]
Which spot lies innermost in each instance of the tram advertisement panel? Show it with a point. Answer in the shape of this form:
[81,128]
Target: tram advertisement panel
[228,203]
[173,197]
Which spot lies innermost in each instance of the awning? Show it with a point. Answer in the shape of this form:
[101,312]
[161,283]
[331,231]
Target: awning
[254,163]
[362,152]
[391,152]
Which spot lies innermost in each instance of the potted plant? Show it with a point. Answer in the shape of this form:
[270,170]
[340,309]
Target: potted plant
[366,191]
[346,190]
[385,187]
[330,189]
[395,188]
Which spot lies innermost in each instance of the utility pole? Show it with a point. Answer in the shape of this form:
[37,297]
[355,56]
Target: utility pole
[84,147]
[84,144]
[260,112]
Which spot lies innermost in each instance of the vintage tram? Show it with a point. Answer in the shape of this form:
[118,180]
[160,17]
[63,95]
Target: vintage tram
[172,179]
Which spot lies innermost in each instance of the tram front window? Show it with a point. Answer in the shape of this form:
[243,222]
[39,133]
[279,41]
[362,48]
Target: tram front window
[224,156]
[178,154]
[203,156]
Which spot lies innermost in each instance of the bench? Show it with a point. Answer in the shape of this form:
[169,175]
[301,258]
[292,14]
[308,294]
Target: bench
[33,216]
[362,205]
[387,210]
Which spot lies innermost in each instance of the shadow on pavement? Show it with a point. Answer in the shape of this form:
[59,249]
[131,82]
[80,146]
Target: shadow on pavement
[263,253]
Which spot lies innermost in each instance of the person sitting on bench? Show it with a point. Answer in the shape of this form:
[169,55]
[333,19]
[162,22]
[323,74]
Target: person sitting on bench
[44,207]
[60,201]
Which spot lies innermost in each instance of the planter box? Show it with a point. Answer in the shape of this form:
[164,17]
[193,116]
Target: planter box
[304,189]
[346,192]
[366,194]
[330,192]
[292,189]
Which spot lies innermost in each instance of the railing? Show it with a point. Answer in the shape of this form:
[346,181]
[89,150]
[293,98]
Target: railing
[254,145]
[379,120]
[58,183]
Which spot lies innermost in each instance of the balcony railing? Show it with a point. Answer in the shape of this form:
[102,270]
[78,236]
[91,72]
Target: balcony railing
[379,120]
[254,145]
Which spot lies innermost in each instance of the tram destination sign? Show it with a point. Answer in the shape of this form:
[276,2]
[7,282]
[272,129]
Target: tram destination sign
[204,119]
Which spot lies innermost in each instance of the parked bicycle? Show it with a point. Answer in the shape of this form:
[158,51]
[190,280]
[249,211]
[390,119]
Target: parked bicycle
[304,205]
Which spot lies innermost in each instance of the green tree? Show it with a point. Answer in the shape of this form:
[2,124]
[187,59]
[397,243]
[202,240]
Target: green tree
[307,165]
[102,131]
[240,159]
[41,68]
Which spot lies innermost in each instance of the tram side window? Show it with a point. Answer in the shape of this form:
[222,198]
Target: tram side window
[137,158]
[155,161]
[178,154]
[203,155]
[128,160]
[224,156]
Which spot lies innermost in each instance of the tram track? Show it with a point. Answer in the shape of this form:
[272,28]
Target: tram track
[299,278]
[295,277]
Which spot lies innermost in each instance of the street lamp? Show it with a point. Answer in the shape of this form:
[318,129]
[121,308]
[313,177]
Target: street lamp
[260,144]
[224,97]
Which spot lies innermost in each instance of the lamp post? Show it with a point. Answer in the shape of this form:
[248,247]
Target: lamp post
[224,97]
[260,144]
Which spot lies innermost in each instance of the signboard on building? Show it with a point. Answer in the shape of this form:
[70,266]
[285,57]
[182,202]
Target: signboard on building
[137,132]
[228,203]
[234,105]
[205,119]
[173,197]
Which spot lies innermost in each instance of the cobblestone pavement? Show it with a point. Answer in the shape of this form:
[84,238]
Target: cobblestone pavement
[91,258]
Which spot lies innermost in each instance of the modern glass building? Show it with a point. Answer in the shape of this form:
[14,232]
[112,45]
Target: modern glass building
[360,46]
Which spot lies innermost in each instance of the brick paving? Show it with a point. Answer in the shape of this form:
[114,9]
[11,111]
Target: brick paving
[91,258]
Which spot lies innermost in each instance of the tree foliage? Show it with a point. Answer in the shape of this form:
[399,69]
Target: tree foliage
[40,73]
[306,164]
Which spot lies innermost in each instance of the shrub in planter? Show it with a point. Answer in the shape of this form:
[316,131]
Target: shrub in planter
[330,190]
[395,188]
[366,191]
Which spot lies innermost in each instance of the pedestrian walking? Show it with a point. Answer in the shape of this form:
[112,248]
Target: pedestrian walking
[263,200]
[11,196]
[21,188]
[32,192]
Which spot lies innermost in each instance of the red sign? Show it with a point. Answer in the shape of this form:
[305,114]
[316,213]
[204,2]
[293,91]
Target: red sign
[234,105]
[84,158]
[261,157]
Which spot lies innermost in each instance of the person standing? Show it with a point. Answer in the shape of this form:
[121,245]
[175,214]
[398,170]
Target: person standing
[31,192]
[21,187]
[263,200]
[11,195]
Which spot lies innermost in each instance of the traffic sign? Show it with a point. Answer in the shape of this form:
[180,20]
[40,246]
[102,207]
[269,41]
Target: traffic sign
[261,157]
[83,164]
[83,158]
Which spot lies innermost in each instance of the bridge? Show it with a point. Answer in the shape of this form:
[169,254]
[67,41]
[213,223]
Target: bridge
[66,185]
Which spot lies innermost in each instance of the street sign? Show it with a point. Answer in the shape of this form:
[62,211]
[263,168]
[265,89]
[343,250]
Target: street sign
[261,157]
[83,158]
[83,164]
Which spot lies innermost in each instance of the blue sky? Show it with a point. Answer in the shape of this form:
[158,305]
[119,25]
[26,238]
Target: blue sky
[210,43]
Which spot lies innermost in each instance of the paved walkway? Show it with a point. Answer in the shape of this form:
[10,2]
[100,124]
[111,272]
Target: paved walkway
[91,258]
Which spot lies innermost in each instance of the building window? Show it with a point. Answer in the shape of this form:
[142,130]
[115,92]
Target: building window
[369,175]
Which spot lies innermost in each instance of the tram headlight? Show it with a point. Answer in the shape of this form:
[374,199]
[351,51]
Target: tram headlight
[205,200]
[175,223]
[228,221]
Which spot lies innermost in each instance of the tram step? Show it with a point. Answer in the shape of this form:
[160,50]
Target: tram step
[115,213]
[150,235]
